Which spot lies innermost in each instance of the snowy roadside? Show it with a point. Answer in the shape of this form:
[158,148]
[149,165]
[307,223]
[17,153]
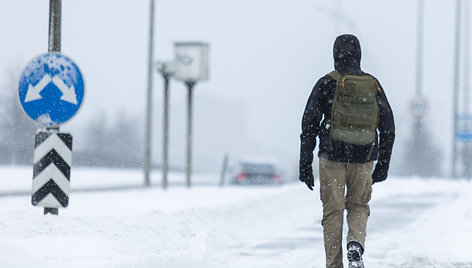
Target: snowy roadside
[442,236]
[204,226]
[433,228]
[16,180]
[414,223]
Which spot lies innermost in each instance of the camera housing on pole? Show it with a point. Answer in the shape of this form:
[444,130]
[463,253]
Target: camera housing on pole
[191,60]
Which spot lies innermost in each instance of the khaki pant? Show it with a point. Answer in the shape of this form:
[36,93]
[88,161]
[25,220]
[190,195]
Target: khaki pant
[333,178]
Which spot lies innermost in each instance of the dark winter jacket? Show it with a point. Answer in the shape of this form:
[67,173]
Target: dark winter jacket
[347,56]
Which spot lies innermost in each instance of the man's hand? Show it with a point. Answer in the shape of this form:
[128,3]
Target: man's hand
[306,176]
[380,173]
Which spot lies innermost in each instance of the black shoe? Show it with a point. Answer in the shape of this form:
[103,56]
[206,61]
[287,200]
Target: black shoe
[354,255]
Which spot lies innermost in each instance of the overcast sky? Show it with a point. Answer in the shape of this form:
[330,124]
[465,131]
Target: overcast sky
[266,54]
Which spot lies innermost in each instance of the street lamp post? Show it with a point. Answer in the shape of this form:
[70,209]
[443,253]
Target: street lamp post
[456,85]
[191,66]
[419,49]
[167,70]
[419,103]
[466,147]
[148,130]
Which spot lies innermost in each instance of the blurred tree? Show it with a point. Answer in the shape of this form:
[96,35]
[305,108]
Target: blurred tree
[118,144]
[17,130]
[422,158]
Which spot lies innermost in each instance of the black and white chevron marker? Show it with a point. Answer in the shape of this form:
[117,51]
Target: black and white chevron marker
[51,170]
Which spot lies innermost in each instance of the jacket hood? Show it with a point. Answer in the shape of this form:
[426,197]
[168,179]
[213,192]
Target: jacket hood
[347,54]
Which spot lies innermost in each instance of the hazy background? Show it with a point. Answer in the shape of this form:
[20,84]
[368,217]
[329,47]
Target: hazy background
[265,57]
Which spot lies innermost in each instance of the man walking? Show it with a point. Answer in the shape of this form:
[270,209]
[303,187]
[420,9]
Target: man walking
[349,112]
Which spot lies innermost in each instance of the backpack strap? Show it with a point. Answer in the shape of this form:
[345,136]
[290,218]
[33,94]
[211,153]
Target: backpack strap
[335,75]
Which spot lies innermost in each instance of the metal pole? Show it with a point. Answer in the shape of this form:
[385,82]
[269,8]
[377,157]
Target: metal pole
[419,87]
[148,142]
[55,14]
[165,157]
[54,45]
[466,146]
[223,170]
[419,49]
[55,29]
[190,85]
[466,57]
[456,85]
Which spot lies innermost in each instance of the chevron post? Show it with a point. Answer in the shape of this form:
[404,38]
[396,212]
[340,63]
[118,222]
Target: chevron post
[51,170]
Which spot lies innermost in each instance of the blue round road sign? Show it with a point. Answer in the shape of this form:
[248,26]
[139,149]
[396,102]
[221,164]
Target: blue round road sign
[51,89]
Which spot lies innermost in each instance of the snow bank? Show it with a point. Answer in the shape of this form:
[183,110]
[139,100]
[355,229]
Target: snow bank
[414,223]
[435,226]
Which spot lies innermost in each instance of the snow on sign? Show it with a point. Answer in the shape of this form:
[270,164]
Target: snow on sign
[51,89]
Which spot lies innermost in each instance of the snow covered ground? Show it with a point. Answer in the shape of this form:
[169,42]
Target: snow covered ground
[414,223]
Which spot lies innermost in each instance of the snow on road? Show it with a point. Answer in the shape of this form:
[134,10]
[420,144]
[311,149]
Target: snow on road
[414,223]
[421,223]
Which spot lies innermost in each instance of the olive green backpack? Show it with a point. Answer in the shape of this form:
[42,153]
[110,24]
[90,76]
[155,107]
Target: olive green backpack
[355,110]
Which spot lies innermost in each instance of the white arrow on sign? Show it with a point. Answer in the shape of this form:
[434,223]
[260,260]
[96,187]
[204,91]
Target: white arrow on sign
[33,91]
[68,94]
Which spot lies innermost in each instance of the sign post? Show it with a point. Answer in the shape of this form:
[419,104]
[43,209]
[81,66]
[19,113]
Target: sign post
[419,107]
[51,92]
[464,128]
[51,170]
[191,66]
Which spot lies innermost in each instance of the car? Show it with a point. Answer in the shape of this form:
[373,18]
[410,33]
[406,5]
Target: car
[256,173]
